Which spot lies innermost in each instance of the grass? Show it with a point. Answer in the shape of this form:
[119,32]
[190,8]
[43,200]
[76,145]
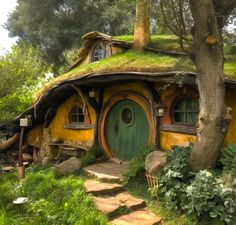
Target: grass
[52,200]
[127,61]
[166,42]
[141,62]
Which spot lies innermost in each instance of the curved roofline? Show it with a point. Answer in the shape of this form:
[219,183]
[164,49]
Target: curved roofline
[57,94]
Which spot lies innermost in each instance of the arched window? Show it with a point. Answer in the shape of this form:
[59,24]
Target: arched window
[185,110]
[98,53]
[76,115]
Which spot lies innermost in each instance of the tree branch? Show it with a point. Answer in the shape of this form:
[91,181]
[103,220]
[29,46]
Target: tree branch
[225,9]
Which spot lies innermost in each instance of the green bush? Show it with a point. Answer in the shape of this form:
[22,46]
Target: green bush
[136,166]
[228,157]
[94,152]
[87,159]
[201,195]
[174,178]
[207,197]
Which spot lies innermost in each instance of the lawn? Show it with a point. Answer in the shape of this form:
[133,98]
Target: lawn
[62,200]
[52,200]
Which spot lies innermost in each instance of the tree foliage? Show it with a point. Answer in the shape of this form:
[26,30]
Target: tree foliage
[57,25]
[21,73]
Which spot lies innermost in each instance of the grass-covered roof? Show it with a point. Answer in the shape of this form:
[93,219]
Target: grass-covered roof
[142,62]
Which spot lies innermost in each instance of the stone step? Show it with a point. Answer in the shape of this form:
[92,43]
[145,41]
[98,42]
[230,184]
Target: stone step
[140,217]
[108,171]
[131,202]
[109,206]
[101,188]
[118,204]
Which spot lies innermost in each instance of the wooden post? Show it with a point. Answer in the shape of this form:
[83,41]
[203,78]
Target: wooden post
[20,166]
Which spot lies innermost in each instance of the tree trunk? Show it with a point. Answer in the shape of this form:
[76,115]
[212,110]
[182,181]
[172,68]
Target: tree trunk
[9,143]
[214,117]
[142,25]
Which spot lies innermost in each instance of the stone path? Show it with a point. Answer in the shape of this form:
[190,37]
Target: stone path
[107,171]
[110,198]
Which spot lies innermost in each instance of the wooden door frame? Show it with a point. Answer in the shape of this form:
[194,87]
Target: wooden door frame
[123,95]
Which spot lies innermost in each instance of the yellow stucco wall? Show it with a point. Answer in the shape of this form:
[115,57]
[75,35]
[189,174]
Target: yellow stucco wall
[137,87]
[34,137]
[231,102]
[57,129]
[167,139]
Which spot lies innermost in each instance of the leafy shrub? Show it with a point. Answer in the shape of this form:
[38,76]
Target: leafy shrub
[94,152]
[87,159]
[175,177]
[228,157]
[136,166]
[206,197]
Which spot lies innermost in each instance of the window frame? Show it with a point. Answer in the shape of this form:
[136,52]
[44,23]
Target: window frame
[78,113]
[93,51]
[185,111]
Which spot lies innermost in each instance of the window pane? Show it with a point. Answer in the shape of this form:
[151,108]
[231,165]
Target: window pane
[76,115]
[179,117]
[98,53]
[186,110]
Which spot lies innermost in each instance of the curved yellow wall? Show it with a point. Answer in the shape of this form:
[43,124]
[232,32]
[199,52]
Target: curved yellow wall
[231,102]
[136,87]
[57,129]
[167,139]
[35,136]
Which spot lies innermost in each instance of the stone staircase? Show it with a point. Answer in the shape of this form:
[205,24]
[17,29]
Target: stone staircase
[111,199]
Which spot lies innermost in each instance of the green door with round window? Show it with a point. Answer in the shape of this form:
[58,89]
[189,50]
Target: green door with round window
[127,129]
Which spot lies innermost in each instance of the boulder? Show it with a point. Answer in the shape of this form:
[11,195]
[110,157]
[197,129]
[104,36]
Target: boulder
[69,166]
[45,161]
[154,161]
[27,157]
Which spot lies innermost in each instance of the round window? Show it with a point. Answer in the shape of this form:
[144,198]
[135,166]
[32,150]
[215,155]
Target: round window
[127,116]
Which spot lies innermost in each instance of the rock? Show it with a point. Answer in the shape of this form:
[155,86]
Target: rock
[154,161]
[131,202]
[45,161]
[109,205]
[27,157]
[7,168]
[96,187]
[69,166]
[144,217]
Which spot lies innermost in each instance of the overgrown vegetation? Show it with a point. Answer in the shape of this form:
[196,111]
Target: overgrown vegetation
[136,166]
[21,74]
[90,156]
[174,178]
[228,157]
[202,195]
[52,200]
[141,62]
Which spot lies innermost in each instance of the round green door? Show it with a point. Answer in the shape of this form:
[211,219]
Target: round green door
[127,129]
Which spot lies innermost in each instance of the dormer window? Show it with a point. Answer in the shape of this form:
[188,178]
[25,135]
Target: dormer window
[98,53]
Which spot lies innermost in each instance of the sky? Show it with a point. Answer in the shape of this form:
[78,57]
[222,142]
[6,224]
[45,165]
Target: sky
[6,42]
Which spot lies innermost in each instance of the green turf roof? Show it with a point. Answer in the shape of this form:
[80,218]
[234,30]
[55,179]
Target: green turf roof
[139,62]
[166,42]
